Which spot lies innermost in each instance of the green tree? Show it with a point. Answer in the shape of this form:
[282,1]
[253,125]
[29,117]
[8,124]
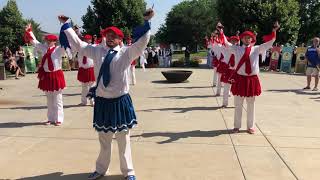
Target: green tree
[188,23]
[310,18]
[259,15]
[12,26]
[125,14]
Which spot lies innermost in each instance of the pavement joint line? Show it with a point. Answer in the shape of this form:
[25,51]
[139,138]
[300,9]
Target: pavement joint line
[230,137]
[276,151]
[84,139]
[31,146]
[9,137]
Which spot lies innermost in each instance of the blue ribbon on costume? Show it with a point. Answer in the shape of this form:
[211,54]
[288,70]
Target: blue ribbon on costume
[139,31]
[105,67]
[63,37]
[104,72]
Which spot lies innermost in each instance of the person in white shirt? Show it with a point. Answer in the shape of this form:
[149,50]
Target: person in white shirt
[246,83]
[216,58]
[229,63]
[85,73]
[50,75]
[113,109]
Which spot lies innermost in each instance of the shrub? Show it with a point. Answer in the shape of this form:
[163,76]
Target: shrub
[179,63]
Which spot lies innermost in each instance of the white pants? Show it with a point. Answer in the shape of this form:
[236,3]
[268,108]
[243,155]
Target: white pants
[226,93]
[84,92]
[219,84]
[133,80]
[161,61]
[103,161]
[215,77]
[238,102]
[167,62]
[55,106]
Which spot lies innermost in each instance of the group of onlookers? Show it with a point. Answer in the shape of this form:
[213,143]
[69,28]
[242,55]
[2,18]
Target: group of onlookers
[14,63]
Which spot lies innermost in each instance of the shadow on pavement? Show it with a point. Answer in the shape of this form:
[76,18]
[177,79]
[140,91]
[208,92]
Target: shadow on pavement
[71,94]
[63,94]
[42,107]
[167,82]
[297,91]
[184,97]
[60,176]
[175,136]
[192,87]
[20,124]
[184,110]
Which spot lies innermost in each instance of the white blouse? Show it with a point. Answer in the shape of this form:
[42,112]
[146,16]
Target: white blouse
[89,63]
[56,55]
[119,67]
[238,51]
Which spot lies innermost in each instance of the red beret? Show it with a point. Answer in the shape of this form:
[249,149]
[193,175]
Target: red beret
[114,29]
[87,36]
[234,38]
[51,37]
[248,33]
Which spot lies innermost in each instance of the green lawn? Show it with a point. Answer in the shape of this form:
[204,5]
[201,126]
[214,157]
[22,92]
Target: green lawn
[202,54]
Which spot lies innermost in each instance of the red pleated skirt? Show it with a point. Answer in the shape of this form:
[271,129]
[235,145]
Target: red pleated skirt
[86,75]
[51,81]
[226,76]
[215,62]
[246,86]
[222,67]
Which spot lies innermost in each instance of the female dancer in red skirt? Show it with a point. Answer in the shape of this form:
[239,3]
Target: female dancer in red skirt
[246,82]
[50,75]
[229,67]
[86,73]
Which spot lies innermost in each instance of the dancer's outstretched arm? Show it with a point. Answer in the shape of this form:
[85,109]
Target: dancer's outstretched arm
[33,40]
[141,36]
[75,42]
[269,39]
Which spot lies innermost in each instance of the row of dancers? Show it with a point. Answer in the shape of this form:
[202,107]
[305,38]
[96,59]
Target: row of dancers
[237,67]
[108,65]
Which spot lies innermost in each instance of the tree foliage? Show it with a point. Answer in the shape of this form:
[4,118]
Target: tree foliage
[12,26]
[125,14]
[188,23]
[310,18]
[259,15]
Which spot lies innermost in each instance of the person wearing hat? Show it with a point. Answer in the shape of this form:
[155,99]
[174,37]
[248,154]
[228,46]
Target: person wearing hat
[50,75]
[114,113]
[246,83]
[216,55]
[219,52]
[85,73]
[229,63]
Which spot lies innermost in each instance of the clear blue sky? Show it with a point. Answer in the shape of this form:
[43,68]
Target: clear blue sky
[46,11]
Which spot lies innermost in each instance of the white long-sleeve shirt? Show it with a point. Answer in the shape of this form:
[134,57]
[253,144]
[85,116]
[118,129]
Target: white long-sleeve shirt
[89,63]
[217,49]
[119,66]
[56,55]
[238,51]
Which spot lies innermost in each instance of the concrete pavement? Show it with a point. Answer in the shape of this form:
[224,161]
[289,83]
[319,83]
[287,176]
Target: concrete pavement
[183,134]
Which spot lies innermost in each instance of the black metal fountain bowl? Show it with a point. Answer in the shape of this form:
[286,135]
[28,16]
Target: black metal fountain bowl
[176,76]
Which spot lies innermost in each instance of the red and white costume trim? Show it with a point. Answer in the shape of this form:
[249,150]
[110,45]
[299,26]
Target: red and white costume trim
[51,77]
[246,81]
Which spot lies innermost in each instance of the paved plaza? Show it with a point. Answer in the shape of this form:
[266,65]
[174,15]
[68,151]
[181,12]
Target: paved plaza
[183,134]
